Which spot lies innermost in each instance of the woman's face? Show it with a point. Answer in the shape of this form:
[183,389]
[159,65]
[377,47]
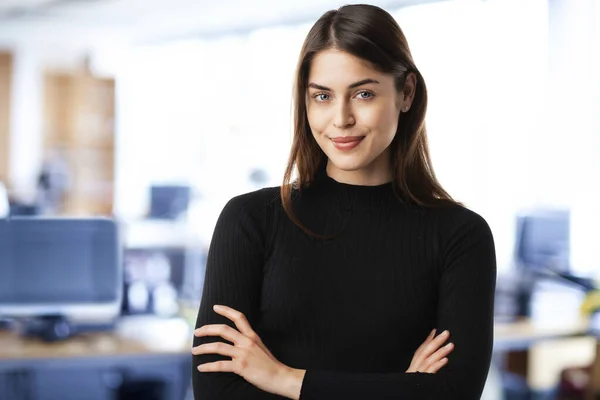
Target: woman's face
[353,115]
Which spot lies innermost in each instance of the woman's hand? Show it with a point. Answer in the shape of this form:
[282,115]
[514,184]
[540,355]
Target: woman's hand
[429,357]
[250,358]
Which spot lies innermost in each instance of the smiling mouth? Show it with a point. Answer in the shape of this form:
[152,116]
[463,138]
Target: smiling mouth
[347,139]
[347,143]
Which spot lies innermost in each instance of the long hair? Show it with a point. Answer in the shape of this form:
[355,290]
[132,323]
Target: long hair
[369,33]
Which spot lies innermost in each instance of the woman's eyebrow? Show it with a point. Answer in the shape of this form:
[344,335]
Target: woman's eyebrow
[351,86]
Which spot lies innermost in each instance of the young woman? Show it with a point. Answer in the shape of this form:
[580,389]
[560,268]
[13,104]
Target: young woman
[328,286]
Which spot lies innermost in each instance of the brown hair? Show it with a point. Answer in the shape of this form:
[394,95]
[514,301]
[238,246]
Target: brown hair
[370,33]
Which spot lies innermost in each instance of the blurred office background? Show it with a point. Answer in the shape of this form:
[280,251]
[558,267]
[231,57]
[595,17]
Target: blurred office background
[155,113]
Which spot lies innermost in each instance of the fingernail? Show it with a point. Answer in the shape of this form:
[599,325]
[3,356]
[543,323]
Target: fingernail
[217,307]
[433,332]
[200,368]
[449,345]
[445,333]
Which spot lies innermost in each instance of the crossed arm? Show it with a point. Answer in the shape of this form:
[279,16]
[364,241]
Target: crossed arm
[245,369]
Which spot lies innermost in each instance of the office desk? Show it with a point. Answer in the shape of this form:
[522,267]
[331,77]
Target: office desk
[539,352]
[132,336]
[521,334]
[97,365]
[151,348]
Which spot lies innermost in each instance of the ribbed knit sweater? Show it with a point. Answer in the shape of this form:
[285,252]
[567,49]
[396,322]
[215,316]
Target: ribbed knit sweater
[352,309]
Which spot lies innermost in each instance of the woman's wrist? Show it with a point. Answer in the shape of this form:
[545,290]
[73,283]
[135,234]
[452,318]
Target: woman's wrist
[291,382]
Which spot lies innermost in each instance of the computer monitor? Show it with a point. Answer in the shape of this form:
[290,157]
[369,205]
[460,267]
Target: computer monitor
[543,240]
[169,201]
[60,267]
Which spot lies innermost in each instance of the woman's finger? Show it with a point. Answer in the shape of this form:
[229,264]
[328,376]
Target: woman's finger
[413,363]
[217,366]
[246,335]
[224,331]
[443,352]
[432,346]
[437,356]
[223,349]
[436,366]
[238,319]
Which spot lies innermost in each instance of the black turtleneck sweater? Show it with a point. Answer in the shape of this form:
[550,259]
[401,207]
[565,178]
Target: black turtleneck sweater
[351,310]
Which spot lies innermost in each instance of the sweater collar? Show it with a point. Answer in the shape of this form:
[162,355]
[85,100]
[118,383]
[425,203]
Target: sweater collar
[349,196]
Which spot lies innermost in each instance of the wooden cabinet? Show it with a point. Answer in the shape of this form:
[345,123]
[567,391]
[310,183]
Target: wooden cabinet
[79,135]
[5,91]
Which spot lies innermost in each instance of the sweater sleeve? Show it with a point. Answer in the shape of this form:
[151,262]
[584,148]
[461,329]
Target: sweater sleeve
[233,278]
[465,308]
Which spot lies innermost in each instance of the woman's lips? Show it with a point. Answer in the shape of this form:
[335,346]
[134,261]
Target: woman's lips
[347,142]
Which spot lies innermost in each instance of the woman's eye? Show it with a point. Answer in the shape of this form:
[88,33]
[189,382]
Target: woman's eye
[321,97]
[364,95]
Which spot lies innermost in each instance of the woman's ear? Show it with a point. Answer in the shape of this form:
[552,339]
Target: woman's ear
[408,91]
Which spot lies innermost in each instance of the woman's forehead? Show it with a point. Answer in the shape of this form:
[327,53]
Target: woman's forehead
[335,67]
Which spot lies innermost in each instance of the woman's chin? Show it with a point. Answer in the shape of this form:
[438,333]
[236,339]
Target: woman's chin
[346,164]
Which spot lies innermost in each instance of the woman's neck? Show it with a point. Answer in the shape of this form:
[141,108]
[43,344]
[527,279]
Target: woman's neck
[377,173]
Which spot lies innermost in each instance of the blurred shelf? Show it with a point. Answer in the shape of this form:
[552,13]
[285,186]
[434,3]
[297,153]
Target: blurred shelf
[79,114]
[5,97]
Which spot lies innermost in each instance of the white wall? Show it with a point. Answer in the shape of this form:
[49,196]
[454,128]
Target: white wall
[572,152]
[26,121]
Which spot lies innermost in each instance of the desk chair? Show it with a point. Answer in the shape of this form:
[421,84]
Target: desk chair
[581,383]
[593,392]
